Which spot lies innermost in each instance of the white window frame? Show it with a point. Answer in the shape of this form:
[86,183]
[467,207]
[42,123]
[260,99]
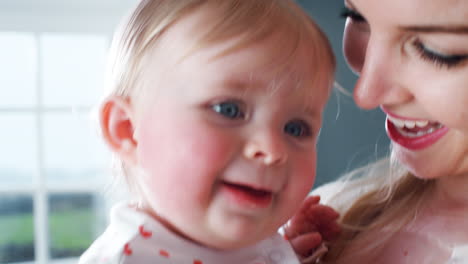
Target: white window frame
[46,16]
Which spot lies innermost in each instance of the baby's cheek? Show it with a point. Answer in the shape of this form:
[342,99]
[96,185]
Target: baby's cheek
[187,157]
[306,169]
[303,180]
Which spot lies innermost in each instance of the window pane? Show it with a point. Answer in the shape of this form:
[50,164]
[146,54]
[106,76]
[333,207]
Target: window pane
[16,229]
[74,153]
[18,149]
[18,66]
[73,223]
[73,68]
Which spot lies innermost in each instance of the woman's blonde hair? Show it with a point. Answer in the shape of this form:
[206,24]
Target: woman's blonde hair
[251,20]
[389,199]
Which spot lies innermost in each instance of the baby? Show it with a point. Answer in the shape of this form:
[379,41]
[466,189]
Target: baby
[214,112]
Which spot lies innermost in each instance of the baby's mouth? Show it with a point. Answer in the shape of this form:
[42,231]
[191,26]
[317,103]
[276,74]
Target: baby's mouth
[248,196]
[258,192]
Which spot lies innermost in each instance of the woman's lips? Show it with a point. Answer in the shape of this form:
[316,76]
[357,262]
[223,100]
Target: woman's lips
[412,134]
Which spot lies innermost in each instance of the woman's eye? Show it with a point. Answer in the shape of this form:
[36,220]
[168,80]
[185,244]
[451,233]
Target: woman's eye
[437,58]
[352,14]
[297,128]
[231,110]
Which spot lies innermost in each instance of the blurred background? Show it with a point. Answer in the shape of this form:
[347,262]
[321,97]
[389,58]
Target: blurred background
[54,179]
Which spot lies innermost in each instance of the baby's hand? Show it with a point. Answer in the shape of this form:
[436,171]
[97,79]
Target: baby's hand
[310,227]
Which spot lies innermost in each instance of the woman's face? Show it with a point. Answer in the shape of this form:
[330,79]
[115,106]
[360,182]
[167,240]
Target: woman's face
[412,60]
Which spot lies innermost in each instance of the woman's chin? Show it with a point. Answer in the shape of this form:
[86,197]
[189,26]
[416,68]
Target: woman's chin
[417,164]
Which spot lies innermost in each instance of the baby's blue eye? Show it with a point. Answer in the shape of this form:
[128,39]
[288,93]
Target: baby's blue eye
[297,128]
[230,110]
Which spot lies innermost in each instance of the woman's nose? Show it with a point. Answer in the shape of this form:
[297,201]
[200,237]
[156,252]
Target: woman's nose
[381,77]
[268,148]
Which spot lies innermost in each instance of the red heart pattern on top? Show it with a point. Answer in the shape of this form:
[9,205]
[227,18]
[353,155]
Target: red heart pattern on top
[147,234]
[164,253]
[127,250]
[144,233]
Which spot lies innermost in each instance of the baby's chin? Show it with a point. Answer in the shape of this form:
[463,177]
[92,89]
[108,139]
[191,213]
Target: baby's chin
[229,242]
[230,245]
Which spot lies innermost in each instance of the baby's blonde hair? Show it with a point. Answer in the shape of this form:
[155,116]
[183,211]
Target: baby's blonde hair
[254,20]
[251,21]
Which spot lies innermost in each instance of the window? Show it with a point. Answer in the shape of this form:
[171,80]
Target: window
[51,160]
[53,166]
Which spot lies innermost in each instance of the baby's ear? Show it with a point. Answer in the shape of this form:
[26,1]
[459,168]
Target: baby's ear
[117,127]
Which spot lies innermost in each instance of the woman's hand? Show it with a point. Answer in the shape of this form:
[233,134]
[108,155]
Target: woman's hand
[313,225]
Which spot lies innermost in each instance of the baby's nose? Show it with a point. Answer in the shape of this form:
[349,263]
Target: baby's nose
[267,148]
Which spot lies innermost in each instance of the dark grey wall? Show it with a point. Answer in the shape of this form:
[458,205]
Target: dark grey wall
[350,137]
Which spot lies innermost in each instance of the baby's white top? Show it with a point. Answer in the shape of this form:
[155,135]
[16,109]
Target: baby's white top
[135,237]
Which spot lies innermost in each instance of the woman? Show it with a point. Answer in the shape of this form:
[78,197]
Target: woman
[412,60]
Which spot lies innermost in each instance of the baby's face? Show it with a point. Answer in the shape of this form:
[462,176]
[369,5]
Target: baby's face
[227,144]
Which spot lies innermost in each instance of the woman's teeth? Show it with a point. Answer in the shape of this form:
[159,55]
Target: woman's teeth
[407,123]
[410,128]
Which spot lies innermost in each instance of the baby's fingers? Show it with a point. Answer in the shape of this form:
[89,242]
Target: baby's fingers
[322,213]
[300,223]
[324,218]
[303,245]
[310,200]
[330,231]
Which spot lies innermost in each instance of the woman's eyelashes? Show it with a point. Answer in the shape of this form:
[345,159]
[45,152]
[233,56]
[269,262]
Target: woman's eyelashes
[352,14]
[437,58]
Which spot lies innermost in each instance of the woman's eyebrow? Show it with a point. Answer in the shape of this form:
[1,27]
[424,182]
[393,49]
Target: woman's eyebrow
[456,29]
